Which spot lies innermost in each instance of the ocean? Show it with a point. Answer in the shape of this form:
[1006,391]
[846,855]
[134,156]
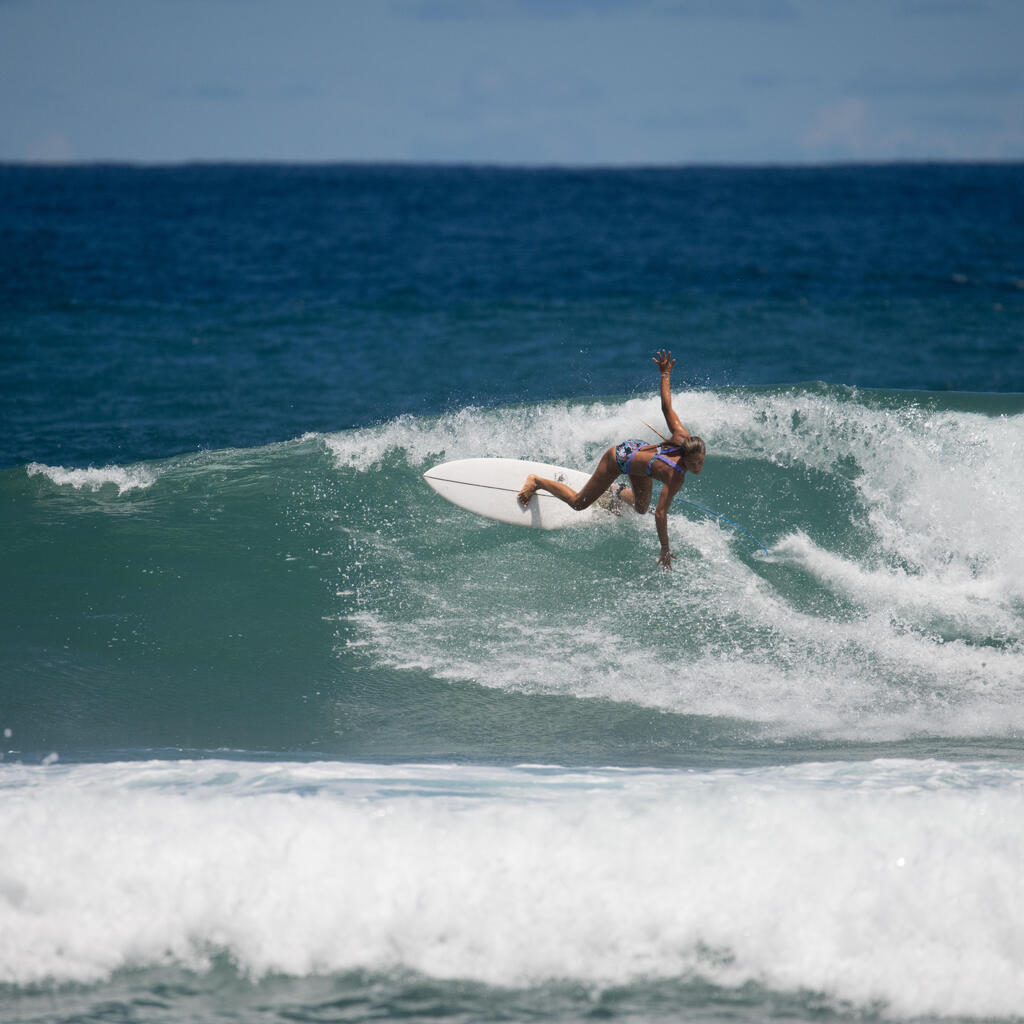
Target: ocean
[287,737]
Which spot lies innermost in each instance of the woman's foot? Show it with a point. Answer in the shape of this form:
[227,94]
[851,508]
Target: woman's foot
[528,491]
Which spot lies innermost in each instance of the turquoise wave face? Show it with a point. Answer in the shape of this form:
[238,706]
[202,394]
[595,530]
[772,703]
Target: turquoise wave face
[315,596]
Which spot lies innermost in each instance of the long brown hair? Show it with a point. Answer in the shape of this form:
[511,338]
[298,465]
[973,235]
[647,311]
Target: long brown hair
[689,446]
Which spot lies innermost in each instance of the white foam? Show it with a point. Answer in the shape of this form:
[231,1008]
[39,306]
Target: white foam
[128,478]
[714,639]
[892,881]
[854,681]
[940,488]
[963,602]
[927,635]
[571,434]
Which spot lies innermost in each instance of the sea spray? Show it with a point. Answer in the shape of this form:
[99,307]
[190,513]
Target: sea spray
[278,585]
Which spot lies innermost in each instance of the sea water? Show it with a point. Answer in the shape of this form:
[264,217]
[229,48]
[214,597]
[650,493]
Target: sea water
[287,736]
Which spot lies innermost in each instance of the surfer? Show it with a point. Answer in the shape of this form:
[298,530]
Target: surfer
[642,463]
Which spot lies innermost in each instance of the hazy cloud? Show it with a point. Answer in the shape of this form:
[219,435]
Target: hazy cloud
[840,129]
[225,92]
[944,8]
[730,10]
[217,92]
[52,148]
[769,80]
[748,10]
[958,122]
[973,82]
[572,81]
[486,10]
[711,120]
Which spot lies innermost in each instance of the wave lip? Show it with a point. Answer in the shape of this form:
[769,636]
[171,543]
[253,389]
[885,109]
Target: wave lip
[130,478]
[892,882]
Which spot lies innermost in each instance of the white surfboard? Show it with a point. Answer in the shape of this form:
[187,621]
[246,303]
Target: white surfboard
[489,487]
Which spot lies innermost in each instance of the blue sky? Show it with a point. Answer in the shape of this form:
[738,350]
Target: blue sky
[583,82]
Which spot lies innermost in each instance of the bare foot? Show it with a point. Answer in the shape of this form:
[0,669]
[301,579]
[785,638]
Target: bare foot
[528,491]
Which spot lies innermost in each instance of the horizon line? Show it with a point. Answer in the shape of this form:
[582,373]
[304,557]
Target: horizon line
[511,165]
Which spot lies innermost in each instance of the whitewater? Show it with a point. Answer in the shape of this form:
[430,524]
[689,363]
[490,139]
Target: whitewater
[345,743]
[887,883]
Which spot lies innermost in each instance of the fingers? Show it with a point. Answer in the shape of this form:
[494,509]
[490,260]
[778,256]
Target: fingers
[664,360]
[525,495]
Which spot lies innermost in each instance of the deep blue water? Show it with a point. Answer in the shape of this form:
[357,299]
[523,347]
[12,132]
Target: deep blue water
[152,311]
[285,736]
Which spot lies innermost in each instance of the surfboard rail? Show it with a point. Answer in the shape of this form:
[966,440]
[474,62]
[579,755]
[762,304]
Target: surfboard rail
[488,487]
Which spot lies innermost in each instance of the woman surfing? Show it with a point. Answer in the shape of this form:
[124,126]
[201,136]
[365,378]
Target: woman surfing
[642,463]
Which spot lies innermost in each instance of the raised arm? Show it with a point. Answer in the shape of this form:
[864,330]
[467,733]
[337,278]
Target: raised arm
[665,363]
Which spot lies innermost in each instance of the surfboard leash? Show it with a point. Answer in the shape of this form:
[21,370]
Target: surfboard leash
[718,515]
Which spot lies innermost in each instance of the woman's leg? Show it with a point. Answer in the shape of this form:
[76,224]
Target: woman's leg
[599,482]
[641,486]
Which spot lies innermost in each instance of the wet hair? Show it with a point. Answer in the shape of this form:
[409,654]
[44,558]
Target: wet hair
[693,446]
[690,446]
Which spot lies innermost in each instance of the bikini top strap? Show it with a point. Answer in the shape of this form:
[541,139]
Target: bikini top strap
[667,461]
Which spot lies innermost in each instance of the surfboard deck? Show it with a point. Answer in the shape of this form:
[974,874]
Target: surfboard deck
[489,487]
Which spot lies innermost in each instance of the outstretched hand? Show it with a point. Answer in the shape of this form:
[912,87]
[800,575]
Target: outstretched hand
[665,559]
[665,361]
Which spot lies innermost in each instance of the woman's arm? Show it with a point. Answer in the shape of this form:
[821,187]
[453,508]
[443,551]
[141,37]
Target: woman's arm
[665,363]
